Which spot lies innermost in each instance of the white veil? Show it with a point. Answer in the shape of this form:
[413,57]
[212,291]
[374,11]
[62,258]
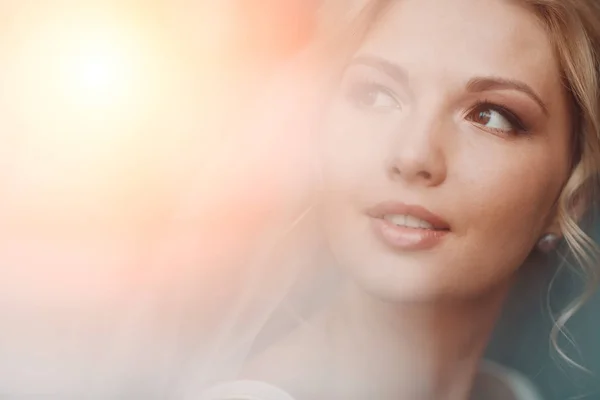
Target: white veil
[253,270]
[241,264]
[283,275]
[280,274]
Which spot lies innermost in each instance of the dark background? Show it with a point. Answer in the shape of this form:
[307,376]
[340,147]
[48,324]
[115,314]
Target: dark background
[522,337]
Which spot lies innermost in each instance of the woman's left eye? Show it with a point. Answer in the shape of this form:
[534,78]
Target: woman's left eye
[496,118]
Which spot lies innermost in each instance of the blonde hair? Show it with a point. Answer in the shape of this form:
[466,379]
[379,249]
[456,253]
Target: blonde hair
[574,28]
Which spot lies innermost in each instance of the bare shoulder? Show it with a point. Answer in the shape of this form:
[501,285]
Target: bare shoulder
[289,366]
[495,382]
[245,390]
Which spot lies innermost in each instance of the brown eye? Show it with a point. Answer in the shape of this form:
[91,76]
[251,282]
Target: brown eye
[371,95]
[496,118]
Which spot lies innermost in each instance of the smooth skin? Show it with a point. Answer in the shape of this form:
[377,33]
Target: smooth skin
[457,107]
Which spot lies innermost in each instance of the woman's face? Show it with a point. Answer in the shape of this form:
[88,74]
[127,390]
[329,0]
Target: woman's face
[447,147]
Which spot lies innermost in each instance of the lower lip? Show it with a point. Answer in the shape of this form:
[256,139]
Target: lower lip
[405,238]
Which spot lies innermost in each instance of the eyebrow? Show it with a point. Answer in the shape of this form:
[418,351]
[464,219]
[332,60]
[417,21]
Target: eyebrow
[483,84]
[389,68]
[475,85]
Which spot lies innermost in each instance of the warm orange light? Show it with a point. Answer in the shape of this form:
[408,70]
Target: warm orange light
[83,91]
[98,69]
[84,73]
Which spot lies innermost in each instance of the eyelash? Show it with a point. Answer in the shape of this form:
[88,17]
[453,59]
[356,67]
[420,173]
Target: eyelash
[519,126]
[363,86]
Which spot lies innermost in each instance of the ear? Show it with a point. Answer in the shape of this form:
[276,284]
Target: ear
[571,206]
[576,206]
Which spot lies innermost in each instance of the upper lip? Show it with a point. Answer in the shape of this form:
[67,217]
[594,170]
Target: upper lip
[395,208]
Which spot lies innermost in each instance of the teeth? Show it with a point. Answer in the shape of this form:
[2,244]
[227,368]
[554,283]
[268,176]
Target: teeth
[408,221]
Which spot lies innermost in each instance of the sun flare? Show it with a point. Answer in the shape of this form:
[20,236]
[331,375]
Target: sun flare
[84,72]
[99,70]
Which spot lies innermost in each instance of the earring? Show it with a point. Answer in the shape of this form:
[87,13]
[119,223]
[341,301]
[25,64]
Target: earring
[548,242]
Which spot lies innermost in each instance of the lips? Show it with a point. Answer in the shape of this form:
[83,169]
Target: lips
[409,228]
[412,216]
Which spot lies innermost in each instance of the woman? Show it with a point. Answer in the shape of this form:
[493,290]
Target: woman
[461,139]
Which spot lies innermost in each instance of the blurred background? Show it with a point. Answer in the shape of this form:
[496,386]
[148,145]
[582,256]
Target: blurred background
[113,114]
[522,337]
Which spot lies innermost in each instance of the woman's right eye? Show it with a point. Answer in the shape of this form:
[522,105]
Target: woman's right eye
[371,96]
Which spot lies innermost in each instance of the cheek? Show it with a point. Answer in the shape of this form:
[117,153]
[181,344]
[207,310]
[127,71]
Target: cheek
[510,199]
[353,150]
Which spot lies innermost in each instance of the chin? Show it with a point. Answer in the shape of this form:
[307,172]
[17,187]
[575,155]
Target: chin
[397,291]
[404,276]
[395,280]
[414,278]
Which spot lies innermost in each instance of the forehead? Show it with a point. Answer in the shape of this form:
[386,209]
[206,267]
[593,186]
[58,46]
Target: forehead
[467,38]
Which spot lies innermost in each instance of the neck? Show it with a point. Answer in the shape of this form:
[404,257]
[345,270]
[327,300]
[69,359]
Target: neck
[409,351]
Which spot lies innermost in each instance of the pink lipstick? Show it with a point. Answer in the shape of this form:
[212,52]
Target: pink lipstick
[408,227]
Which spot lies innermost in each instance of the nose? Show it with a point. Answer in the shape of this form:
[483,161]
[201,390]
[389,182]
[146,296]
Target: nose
[417,156]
